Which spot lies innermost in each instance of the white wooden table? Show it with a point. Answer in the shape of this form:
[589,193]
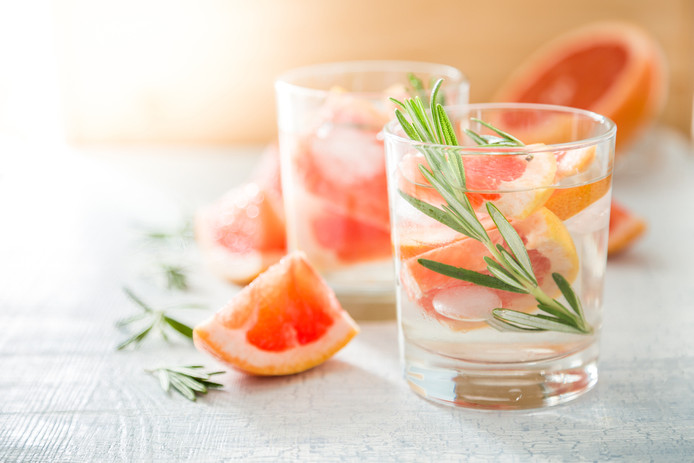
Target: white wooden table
[67,247]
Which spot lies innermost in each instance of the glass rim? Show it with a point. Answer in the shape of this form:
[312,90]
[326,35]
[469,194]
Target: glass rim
[287,79]
[610,132]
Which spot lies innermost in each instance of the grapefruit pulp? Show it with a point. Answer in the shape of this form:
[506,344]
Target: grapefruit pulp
[286,321]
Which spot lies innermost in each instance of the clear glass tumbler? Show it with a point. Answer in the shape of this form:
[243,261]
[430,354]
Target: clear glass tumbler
[491,318]
[330,119]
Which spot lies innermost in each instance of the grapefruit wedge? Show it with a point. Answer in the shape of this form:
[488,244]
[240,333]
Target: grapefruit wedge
[625,229]
[286,321]
[612,68]
[241,234]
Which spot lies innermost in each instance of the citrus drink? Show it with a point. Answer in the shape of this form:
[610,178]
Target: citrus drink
[330,120]
[457,342]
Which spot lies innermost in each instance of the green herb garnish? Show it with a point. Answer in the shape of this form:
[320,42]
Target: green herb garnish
[150,320]
[510,269]
[175,275]
[187,380]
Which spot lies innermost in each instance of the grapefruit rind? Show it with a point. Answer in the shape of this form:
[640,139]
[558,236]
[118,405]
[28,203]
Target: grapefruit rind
[225,334]
[567,202]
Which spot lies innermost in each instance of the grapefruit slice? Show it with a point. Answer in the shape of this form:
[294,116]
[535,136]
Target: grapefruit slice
[567,202]
[286,321]
[513,175]
[242,233]
[550,248]
[625,229]
[612,68]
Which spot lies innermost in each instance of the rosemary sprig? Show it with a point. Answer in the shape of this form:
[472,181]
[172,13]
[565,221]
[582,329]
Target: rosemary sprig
[178,236]
[151,320]
[172,275]
[175,275]
[419,90]
[509,269]
[187,380]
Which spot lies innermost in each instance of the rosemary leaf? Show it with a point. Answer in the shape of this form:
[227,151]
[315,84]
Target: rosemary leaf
[190,382]
[471,276]
[568,293]
[136,300]
[153,320]
[476,138]
[192,372]
[510,261]
[135,339]
[446,127]
[438,129]
[406,126]
[537,321]
[511,237]
[211,385]
[185,330]
[506,136]
[182,387]
[187,380]
[496,269]
[164,381]
[502,325]
[558,311]
[433,212]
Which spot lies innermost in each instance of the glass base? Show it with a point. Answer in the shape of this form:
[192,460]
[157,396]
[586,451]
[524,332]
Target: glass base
[504,386]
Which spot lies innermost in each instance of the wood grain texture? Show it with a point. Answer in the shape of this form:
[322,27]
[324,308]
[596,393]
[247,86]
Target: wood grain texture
[67,396]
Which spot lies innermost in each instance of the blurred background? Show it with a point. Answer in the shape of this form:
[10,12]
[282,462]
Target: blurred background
[201,72]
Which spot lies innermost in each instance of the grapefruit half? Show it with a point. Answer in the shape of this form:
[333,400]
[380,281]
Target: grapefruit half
[286,321]
[612,68]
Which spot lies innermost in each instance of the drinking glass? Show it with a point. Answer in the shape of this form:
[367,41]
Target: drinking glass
[330,119]
[531,342]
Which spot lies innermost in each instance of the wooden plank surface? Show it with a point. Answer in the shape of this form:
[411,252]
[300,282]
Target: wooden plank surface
[66,395]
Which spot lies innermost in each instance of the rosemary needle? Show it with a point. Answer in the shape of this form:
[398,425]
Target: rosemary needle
[188,380]
[151,320]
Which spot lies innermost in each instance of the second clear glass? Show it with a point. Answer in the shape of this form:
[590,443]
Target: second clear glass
[330,120]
